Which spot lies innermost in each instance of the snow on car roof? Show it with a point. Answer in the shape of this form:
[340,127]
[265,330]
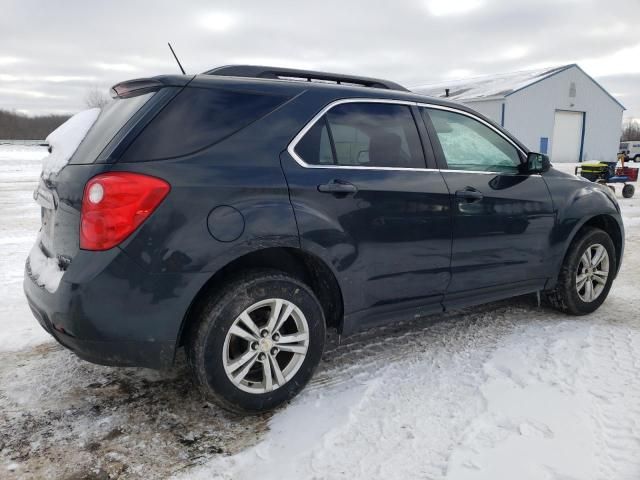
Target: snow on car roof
[487,86]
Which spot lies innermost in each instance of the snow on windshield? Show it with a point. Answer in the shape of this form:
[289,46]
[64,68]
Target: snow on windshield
[65,140]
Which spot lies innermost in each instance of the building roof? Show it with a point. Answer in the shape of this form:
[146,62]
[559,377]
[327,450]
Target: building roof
[496,87]
[488,87]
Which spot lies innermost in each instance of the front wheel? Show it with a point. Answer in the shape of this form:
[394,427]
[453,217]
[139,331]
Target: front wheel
[257,342]
[586,274]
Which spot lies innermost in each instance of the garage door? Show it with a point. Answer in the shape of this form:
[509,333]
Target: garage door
[567,137]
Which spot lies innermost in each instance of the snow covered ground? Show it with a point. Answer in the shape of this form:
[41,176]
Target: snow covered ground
[506,390]
[20,220]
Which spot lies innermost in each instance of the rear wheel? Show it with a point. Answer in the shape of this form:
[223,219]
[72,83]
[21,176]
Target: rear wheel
[257,342]
[628,191]
[586,274]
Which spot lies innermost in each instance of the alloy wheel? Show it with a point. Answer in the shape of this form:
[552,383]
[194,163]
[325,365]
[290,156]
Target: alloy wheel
[592,273]
[265,346]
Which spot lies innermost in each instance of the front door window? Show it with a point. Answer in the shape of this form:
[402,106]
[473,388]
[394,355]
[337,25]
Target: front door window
[468,144]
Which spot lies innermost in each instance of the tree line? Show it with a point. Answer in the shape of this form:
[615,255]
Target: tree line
[630,130]
[17,126]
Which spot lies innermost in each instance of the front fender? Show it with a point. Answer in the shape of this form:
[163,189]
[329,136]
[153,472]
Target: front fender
[578,202]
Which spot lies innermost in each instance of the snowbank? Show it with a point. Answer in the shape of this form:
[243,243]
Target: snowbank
[65,139]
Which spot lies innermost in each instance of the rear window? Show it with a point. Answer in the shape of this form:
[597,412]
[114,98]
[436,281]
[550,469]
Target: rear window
[112,118]
[198,118]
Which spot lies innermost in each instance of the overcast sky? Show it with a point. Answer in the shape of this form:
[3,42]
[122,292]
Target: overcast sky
[53,52]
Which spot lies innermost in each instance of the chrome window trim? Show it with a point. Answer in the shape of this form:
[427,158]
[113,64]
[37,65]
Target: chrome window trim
[320,114]
[326,108]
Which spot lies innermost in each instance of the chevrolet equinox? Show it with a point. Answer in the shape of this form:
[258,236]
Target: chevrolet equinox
[242,212]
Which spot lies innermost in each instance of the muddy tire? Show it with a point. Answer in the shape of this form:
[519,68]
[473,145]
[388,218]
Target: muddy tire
[255,343]
[586,274]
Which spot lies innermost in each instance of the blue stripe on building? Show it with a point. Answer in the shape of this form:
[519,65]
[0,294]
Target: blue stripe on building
[544,145]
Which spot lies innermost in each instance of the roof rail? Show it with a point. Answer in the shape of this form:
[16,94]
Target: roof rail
[256,71]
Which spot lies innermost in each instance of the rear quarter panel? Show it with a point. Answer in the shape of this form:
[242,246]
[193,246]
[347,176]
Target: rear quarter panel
[242,172]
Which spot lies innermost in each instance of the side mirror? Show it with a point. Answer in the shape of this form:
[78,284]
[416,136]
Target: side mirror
[537,163]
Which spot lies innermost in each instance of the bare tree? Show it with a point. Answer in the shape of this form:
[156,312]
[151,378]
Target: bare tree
[96,98]
[630,130]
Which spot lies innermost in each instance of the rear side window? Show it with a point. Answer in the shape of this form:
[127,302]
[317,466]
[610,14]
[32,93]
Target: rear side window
[364,135]
[198,118]
[112,118]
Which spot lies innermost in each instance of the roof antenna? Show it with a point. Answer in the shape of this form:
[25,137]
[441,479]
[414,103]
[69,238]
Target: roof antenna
[446,91]
[176,57]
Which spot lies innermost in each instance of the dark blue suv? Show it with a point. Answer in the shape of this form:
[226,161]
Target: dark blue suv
[242,212]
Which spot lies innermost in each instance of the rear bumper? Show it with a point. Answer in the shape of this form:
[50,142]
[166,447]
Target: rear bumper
[109,311]
[132,354]
[111,353]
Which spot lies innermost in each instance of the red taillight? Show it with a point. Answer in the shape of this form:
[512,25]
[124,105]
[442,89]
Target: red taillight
[115,204]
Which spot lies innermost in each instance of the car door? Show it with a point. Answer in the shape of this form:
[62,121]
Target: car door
[502,218]
[365,202]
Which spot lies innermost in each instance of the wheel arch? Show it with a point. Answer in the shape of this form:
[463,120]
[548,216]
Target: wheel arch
[610,225]
[298,263]
[604,222]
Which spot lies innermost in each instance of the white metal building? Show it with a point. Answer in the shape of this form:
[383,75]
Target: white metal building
[560,111]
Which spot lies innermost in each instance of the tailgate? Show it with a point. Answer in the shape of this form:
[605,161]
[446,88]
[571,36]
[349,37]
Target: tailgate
[45,198]
[60,201]
[74,147]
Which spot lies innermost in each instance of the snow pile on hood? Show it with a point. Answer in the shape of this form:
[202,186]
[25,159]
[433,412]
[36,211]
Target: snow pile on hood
[65,139]
[45,271]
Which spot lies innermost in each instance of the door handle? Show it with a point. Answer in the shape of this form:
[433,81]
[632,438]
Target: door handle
[470,195]
[337,186]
